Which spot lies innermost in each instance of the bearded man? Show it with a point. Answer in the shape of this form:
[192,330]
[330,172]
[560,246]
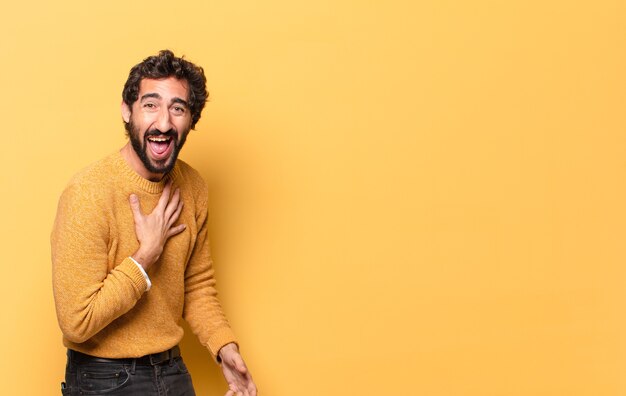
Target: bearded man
[130,251]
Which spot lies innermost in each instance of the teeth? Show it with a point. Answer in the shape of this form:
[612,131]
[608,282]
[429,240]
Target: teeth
[159,139]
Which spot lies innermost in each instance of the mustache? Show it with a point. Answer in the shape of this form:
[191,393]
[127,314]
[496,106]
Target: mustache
[155,132]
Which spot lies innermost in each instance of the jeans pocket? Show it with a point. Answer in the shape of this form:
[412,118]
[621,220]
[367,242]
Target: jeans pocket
[181,366]
[178,367]
[98,380]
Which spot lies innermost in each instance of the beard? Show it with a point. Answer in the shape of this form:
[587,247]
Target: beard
[141,146]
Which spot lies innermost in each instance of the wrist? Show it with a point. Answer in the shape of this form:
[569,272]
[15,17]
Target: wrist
[144,259]
[226,349]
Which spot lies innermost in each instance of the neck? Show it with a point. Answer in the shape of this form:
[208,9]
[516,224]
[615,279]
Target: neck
[133,160]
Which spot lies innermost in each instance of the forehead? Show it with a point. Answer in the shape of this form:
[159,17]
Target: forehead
[167,88]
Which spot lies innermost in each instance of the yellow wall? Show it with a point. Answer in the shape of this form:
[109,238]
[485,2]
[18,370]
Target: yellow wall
[413,198]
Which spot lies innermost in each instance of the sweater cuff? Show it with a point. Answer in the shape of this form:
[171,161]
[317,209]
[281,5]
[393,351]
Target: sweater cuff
[220,338]
[143,272]
[134,274]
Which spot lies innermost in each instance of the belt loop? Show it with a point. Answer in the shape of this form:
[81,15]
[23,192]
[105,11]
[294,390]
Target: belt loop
[132,366]
[171,353]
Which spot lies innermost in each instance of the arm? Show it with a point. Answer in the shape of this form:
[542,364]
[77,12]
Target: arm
[87,295]
[204,314]
[202,309]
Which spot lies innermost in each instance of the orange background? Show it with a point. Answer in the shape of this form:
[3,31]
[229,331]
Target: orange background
[416,198]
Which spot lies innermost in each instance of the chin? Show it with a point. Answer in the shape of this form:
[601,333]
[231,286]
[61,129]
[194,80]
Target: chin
[163,166]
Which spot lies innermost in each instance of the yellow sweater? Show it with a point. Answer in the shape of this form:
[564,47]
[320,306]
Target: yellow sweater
[100,294]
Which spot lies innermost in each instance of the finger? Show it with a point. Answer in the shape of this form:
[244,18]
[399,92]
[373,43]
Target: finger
[230,393]
[232,388]
[175,230]
[135,207]
[251,386]
[165,196]
[176,214]
[172,205]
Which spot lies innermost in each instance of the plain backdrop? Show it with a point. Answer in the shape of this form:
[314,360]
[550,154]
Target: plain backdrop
[407,197]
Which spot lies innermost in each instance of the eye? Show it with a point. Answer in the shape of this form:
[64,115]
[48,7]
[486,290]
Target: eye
[150,105]
[178,109]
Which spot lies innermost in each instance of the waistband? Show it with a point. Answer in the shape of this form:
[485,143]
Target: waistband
[148,360]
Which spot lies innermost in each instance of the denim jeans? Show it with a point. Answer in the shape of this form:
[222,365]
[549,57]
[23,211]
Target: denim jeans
[126,377]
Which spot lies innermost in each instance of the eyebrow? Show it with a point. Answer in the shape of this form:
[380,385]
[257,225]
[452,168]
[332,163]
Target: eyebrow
[157,96]
[150,95]
[181,101]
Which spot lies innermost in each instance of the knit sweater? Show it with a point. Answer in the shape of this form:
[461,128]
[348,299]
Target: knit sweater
[100,294]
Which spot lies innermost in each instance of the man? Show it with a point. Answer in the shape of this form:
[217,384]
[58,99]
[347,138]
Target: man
[130,252]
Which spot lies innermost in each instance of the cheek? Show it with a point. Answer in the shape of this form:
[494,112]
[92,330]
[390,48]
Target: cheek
[183,124]
[143,122]
[148,118]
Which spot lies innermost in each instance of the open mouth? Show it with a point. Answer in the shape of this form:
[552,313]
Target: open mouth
[160,145]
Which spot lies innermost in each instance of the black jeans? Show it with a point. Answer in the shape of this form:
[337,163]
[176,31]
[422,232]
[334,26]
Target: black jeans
[126,377]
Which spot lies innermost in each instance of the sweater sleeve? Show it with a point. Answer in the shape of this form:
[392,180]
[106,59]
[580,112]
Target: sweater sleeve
[203,310]
[88,296]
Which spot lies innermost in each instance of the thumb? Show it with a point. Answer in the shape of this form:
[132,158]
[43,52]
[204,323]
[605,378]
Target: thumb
[240,365]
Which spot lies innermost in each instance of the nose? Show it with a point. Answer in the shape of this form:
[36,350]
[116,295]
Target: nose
[163,122]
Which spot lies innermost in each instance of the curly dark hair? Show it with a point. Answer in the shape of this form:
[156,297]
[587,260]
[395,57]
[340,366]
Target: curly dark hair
[164,65]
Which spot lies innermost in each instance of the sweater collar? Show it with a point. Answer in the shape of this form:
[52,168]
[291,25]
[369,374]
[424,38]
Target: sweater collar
[144,184]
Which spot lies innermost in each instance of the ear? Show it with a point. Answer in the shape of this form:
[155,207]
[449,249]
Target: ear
[126,112]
